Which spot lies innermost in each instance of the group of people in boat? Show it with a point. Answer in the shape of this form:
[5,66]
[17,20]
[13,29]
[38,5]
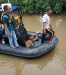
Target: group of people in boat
[9,29]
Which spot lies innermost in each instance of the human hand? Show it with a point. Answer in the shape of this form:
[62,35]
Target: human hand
[12,15]
[9,35]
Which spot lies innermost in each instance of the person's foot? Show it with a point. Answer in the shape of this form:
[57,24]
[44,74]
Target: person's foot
[19,46]
[50,42]
[13,47]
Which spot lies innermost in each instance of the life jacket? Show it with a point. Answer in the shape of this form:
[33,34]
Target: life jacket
[8,17]
[9,22]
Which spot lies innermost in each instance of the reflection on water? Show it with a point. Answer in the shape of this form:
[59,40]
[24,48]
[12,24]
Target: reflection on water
[53,63]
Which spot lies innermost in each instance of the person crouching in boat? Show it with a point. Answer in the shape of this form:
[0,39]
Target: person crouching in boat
[46,26]
[9,31]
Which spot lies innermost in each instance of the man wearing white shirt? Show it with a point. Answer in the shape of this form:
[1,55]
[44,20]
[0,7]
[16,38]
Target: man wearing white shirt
[46,26]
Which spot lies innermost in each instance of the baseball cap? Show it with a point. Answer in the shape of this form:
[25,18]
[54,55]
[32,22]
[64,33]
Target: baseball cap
[47,9]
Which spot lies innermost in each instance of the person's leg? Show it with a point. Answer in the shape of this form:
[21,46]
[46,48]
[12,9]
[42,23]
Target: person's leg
[51,35]
[15,39]
[33,37]
[43,37]
[10,40]
[52,31]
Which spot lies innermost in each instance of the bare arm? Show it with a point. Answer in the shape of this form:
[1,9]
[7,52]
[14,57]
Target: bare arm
[36,33]
[50,26]
[7,30]
[44,25]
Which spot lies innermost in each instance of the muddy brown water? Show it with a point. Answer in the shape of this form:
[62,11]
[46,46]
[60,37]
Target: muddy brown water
[52,63]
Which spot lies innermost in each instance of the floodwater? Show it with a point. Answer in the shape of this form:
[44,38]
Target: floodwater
[52,63]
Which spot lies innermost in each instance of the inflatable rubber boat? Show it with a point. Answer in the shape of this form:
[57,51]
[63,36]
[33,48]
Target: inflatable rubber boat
[36,51]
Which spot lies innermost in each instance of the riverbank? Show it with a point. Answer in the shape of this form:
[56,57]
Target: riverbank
[53,13]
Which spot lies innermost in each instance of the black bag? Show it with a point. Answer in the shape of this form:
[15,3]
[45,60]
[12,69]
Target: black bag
[21,34]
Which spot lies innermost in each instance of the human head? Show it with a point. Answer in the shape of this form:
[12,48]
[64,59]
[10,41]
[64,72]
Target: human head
[7,9]
[48,10]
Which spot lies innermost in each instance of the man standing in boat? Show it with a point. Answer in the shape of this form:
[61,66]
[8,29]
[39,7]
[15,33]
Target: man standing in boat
[46,26]
[7,21]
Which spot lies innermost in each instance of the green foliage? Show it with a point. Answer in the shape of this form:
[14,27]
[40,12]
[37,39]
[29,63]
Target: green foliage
[38,6]
[3,1]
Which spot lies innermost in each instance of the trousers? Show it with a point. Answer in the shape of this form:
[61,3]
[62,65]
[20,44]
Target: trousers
[13,39]
[49,31]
